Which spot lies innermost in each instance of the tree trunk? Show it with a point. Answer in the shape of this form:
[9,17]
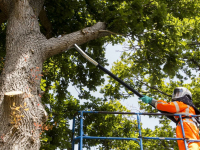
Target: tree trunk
[22,113]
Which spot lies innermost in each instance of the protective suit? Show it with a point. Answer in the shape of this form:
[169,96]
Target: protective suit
[190,127]
[181,104]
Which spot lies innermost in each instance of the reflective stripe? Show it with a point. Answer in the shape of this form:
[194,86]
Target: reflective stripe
[187,110]
[187,120]
[158,103]
[177,107]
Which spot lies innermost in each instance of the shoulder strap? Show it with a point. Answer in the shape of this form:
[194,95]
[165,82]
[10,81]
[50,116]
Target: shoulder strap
[189,102]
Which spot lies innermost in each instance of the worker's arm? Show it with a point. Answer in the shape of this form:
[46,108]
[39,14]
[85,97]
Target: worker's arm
[171,107]
[164,106]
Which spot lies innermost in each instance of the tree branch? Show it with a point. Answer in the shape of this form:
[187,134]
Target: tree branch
[194,43]
[54,46]
[195,62]
[153,87]
[106,31]
[192,60]
[45,23]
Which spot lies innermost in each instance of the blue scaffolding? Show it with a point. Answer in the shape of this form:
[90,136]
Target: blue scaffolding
[138,139]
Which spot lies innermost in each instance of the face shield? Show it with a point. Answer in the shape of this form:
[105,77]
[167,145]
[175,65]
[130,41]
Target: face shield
[177,93]
[180,92]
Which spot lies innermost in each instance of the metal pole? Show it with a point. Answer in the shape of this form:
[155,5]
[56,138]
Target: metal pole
[81,131]
[185,142]
[140,133]
[73,132]
[82,136]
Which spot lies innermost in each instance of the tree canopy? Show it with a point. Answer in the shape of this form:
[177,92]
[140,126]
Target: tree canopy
[162,52]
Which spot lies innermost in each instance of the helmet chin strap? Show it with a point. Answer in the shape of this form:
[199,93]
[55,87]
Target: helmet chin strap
[182,98]
[189,97]
[185,99]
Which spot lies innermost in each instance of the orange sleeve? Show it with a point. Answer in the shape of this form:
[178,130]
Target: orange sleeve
[171,107]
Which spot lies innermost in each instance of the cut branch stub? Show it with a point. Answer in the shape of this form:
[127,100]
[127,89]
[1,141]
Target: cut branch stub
[12,105]
[12,93]
[11,114]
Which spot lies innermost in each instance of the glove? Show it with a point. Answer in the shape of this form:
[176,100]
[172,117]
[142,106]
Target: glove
[146,99]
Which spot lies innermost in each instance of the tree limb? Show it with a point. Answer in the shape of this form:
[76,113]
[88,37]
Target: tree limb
[153,87]
[194,43]
[113,33]
[195,62]
[54,46]
[192,60]
[45,23]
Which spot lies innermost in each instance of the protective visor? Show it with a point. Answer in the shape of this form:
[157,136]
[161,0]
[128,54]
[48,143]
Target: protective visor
[177,93]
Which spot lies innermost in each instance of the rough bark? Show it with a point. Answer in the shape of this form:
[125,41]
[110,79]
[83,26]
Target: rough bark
[21,73]
[26,50]
[16,123]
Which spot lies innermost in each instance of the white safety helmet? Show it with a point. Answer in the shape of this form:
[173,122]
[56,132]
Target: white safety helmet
[180,92]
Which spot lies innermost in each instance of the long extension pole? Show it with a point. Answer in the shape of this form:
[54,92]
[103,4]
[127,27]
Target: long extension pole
[106,71]
[114,76]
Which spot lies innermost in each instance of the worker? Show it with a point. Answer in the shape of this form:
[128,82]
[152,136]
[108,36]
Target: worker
[181,104]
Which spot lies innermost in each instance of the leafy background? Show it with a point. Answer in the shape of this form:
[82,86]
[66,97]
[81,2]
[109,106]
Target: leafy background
[161,53]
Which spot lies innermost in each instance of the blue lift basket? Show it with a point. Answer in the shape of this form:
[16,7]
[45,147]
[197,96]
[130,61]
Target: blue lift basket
[138,139]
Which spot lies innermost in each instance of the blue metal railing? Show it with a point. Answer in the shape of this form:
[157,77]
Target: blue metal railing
[138,139]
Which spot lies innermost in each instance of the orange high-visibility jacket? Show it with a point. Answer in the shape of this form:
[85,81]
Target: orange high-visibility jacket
[190,128]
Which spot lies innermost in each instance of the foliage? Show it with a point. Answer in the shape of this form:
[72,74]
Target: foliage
[163,40]
[165,55]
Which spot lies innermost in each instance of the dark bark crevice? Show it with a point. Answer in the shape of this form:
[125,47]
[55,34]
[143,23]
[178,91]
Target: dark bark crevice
[3,18]
[45,23]
[37,6]
[6,6]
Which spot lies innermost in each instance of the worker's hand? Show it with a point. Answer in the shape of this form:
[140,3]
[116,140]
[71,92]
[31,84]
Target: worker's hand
[146,99]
